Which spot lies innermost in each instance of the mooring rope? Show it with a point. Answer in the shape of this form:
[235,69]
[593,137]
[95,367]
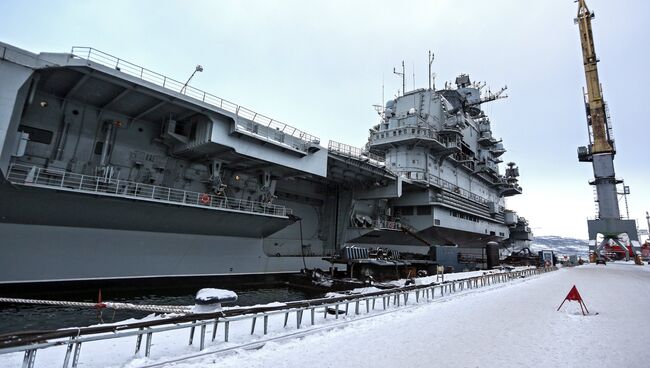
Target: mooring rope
[109,305]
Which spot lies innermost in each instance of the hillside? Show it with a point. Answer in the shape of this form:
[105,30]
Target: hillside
[561,245]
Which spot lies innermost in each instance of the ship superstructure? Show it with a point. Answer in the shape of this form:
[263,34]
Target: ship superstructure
[439,143]
[111,171]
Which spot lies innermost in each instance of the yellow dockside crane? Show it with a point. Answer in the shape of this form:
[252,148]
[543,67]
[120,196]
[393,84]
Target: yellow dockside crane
[600,153]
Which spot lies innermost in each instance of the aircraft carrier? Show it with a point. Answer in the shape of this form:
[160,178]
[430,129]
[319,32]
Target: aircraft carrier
[111,171]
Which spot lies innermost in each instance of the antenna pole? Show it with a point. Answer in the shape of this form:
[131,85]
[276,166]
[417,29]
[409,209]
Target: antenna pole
[413,75]
[431,56]
[383,102]
[403,75]
[403,78]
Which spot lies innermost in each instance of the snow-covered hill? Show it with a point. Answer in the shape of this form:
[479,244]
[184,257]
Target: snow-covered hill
[561,245]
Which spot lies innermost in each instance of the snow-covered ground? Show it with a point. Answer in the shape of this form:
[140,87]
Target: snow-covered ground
[511,325]
[504,325]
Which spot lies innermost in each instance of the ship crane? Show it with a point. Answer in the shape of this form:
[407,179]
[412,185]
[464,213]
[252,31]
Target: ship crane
[600,151]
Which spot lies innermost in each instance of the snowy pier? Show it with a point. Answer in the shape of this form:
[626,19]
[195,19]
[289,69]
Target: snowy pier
[64,346]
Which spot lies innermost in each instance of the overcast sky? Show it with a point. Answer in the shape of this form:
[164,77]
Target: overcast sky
[320,65]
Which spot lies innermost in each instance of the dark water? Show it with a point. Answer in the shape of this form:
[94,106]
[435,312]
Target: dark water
[15,317]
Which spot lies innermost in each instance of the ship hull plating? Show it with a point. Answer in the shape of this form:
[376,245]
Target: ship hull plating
[39,254]
[48,237]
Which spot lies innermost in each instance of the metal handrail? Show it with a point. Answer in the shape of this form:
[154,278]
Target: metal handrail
[407,132]
[398,297]
[69,181]
[355,152]
[94,55]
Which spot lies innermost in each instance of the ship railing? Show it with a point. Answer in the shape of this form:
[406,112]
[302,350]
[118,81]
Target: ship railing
[442,183]
[63,180]
[113,62]
[387,225]
[355,152]
[406,132]
[311,316]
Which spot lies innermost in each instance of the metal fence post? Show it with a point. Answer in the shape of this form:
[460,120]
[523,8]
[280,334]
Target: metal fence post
[75,357]
[147,347]
[68,351]
[192,332]
[138,343]
[298,318]
[202,345]
[214,328]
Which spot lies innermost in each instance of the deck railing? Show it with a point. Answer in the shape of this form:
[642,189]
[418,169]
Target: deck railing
[356,152]
[113,62]
[272,318]
[73,182]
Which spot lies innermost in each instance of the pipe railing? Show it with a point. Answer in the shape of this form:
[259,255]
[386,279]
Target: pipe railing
[356,152]
[113,62]
[63,180]
[29,343]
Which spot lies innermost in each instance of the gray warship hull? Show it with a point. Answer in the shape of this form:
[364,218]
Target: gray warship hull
[52,239]
[110,171]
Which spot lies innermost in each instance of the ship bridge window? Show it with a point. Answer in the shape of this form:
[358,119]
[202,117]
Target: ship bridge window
[36,134]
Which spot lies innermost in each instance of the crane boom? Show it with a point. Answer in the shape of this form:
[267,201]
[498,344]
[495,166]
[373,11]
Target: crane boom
[596,114]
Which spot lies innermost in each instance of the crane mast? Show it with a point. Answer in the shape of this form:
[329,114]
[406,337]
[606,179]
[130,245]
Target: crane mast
[608,224]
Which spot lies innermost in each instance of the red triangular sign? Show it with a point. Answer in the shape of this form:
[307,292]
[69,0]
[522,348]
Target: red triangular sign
[573,294]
